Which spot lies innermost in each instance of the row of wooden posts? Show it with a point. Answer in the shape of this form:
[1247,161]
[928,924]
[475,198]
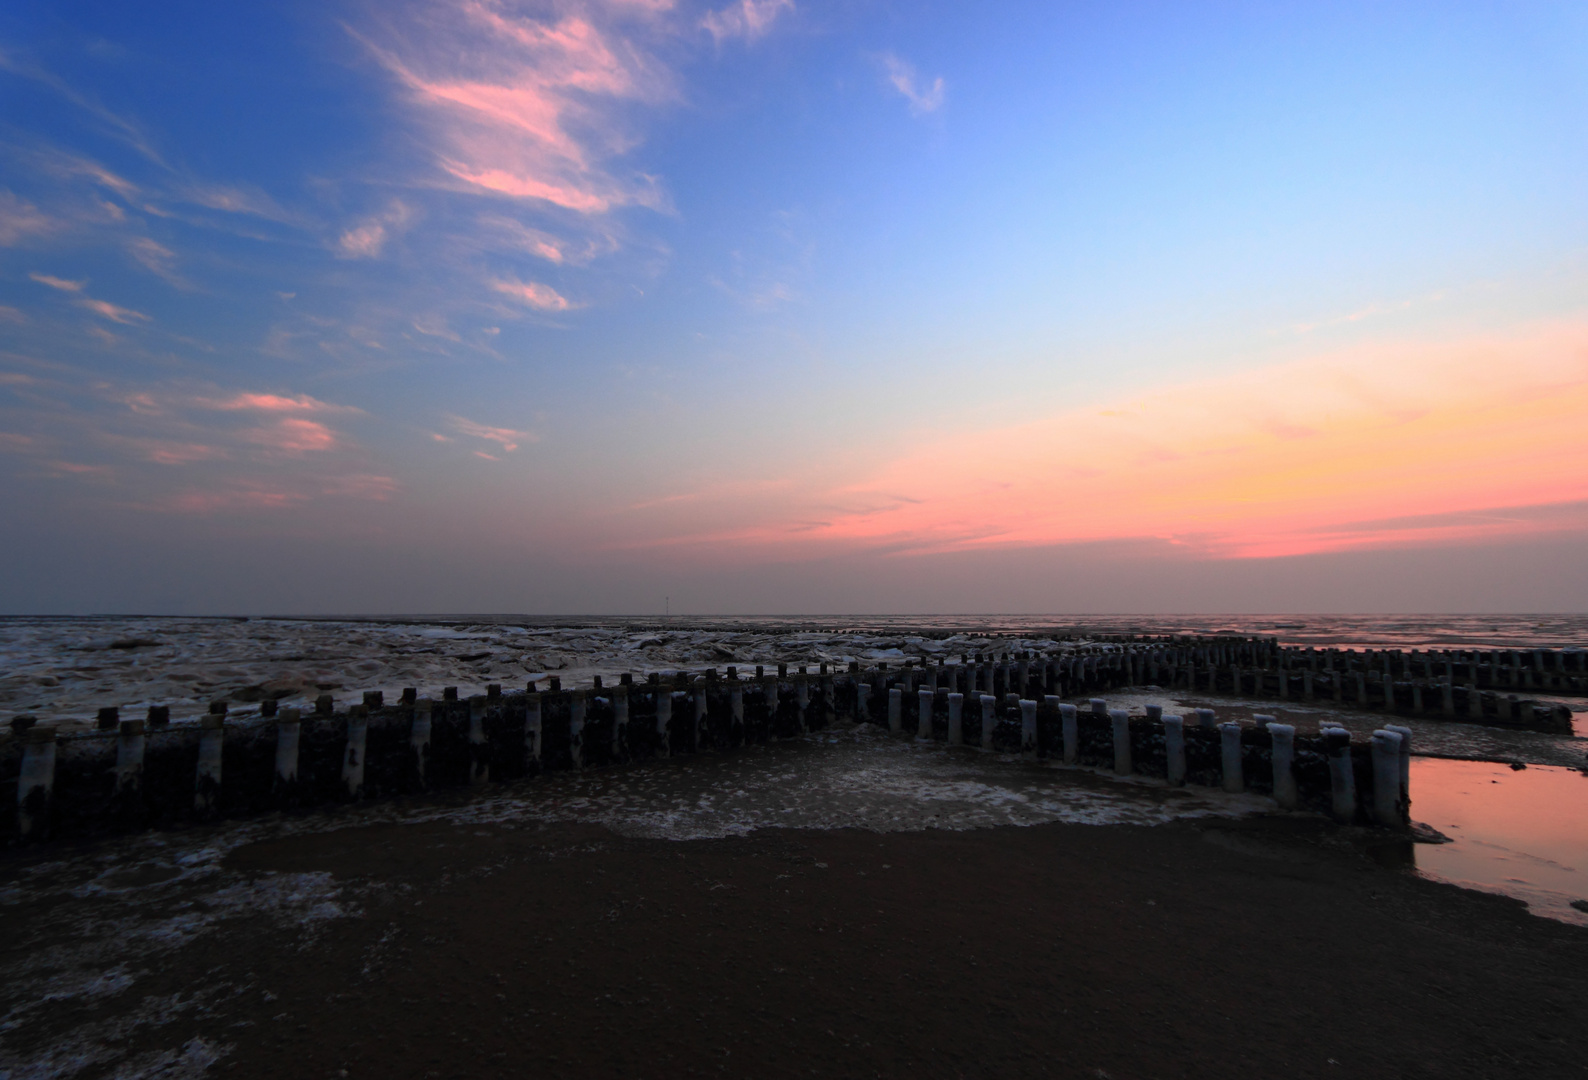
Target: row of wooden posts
[981,703]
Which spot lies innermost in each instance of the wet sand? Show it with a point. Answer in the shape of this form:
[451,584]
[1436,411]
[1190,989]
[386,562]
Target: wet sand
[1209,949]
[645,923]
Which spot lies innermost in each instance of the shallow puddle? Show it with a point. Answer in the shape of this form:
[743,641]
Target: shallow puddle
[1521,832]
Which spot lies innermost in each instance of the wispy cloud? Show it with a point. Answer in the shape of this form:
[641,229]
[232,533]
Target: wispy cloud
[178,449]
[277,403]
[124,128]
[103,308]
[366,239]
[507,438]
[114,312]
[525,106]
[294,435]
[157,259]
[63,284]
[923,98]
[235,199]
[171,453]
[538,296]
[20,219]
[748,19]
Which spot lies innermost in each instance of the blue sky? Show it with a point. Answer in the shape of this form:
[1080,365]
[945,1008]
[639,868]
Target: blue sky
[613,295]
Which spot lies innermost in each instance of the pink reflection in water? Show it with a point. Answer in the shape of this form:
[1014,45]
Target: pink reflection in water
[1523,832]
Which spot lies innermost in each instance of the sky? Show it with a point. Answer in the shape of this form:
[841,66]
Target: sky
[780,306]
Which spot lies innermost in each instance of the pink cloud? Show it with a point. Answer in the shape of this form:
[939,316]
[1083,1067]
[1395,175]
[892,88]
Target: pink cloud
[156,258]
[361,486]
[62,284]
[209,502]
[515,234]
[20,219]
[294,435]
[748,19]
[507,438]
[538,296]
[277,403]
[366,240]
[74,468]
[114,312]
[1378,447]
[902,76]
[182,453]
[237,200]
[523,106]
[11,314]
[68,165]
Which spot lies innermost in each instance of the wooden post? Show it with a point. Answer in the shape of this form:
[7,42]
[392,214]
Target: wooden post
[419,738]
[1387,777]
[479,763]
[1342,776]
[207,780]
[130,743]
[577,703]
[36,783]
[620,718]
[289,732]
[1174,749]
[1284,758]
[664,713]
[1230,748]
[353,752]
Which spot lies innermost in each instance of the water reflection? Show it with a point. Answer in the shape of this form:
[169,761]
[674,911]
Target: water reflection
[1523,832]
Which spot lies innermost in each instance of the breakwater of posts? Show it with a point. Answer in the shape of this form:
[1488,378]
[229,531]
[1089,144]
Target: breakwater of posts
[147,773]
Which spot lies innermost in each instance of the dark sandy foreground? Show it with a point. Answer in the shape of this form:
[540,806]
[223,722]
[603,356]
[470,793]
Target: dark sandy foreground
[1264,948]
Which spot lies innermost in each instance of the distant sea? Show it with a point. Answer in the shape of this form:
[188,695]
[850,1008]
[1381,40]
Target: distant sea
[1318,631]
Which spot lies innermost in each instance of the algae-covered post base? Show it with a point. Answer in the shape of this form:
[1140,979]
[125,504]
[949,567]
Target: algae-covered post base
[1174,750]
[353,751]
[1069,724]
[284,783]
[1387,778]
[479,757]
[36,784]
[664,713]
[1120,722]
[1230,755]
[130,744]
[419,744]
[1342,774]
[532,728]
[207,781]
[1284,758]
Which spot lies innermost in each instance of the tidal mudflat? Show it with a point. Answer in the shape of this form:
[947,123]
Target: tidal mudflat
[844,903]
